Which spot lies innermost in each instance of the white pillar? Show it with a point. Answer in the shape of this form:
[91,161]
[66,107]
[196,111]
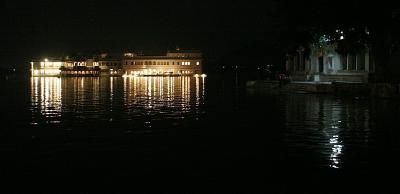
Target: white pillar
[366,61]
[356,62]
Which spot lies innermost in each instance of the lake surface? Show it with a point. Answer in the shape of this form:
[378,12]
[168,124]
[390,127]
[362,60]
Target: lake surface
[200,132]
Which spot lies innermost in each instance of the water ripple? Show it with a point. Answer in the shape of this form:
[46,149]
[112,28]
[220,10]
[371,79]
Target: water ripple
[65,100]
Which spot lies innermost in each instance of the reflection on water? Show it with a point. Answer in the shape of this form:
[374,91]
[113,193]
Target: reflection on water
[83,99]
[320,130]
[324,125]
[163,97]
[46,97]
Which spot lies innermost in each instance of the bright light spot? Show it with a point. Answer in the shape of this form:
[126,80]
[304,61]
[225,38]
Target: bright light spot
[196,75]
[336,151]
[128,54]
[367,31]
[341,37]
[203,75]
[46,60]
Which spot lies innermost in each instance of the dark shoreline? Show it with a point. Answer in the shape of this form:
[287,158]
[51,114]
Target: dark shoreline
[380,90]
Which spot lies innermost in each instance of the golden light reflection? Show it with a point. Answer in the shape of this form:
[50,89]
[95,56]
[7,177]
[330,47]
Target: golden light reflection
[78,99]
[46,97]
[111,88]
[197,91]
[156,92]
[203,82]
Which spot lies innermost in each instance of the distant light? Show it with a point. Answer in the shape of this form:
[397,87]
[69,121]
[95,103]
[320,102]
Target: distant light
[367,31]
[324,38]
[341,37]
[203,75]
[196,75]
[46,60]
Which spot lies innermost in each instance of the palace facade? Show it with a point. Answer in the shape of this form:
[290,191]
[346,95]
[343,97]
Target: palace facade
[328,65]
[173,63]
[177,62]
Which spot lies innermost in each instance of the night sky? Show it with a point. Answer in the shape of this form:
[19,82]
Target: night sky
[221,29]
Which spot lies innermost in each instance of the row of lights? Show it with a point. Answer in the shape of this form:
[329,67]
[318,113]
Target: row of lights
[135,75]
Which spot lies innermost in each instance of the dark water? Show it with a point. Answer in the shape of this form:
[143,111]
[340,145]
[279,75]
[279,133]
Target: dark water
[194,133]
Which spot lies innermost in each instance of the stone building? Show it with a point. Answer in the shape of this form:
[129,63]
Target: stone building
[46,67]
[324,63]
[66,67]
[177,62]
[109,64]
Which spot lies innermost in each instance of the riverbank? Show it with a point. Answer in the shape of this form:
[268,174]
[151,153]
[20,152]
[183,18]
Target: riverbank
[383,90]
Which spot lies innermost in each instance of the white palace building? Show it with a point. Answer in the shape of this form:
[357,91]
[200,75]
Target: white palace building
[173,63]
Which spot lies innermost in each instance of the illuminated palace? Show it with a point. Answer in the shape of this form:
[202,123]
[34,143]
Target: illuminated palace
[177,62]
[173,63]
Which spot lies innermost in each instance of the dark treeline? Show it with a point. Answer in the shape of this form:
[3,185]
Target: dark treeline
[299,23]
[229,33]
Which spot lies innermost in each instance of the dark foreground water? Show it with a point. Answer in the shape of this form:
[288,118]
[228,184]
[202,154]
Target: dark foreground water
[186,132]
